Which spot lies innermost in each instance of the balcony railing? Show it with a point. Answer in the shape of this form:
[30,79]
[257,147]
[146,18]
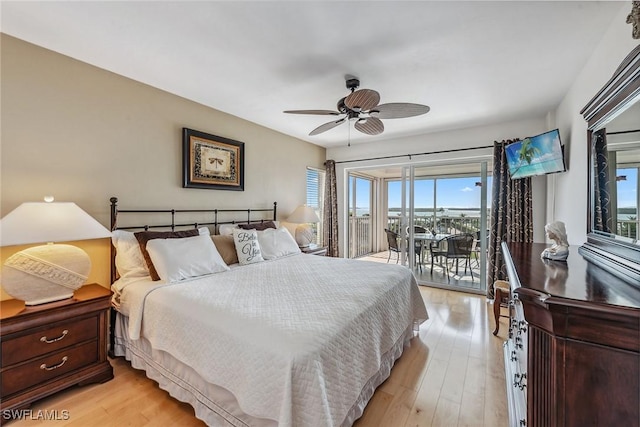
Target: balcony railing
[360,242]
[441,224]
[360,235]
[629,228]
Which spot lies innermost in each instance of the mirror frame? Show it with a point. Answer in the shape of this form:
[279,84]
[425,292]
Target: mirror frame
[611,252]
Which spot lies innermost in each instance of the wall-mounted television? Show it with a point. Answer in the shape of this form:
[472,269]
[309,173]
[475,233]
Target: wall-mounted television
[538,155]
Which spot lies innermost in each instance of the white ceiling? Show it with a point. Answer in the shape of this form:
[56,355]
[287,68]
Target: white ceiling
[473,63]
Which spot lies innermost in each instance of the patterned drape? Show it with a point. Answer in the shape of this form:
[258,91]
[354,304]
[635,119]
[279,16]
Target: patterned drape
[511,213]
[330,213]
[602,214]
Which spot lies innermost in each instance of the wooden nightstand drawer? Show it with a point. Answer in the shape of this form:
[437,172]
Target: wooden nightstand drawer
[46,368]
[49,347]
[46,340]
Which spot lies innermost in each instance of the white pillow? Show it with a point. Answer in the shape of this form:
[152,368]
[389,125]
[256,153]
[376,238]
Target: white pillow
[180,259]
[227,229]
[277,242]
[204,231]
[247,246]
[129,260]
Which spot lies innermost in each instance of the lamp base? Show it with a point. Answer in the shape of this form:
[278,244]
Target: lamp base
[304,235]
[49,299]
[46,273]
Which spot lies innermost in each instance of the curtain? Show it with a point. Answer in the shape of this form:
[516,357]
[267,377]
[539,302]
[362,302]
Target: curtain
[511,213]
[330,213]
[602,214]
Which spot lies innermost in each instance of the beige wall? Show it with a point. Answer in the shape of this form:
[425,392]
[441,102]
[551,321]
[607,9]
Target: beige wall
[567,195]
[84,134]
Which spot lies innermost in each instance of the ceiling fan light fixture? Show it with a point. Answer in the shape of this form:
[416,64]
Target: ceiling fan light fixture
[362,106]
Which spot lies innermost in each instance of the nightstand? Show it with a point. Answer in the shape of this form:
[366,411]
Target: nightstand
[315,250]
[49,347]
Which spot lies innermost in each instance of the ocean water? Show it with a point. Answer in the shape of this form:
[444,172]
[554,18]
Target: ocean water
[428,212]
[539,168]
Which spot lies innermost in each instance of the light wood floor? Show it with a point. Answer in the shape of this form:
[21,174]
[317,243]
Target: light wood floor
[452,375]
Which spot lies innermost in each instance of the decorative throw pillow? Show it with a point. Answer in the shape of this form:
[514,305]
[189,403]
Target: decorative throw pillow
[144,236]
[129,260]
[277,242]
[226,248]
[226,229]
[258,225]
[247,246]
[180,259]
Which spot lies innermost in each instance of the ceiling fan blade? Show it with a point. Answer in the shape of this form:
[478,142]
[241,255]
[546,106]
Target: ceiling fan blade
[325,127]
[370,126]
[315,112]
[362,100]
[398,110]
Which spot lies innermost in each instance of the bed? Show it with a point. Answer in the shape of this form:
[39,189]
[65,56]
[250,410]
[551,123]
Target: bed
[293,340]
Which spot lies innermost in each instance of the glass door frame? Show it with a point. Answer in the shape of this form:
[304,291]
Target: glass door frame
[352,202]
[407,215]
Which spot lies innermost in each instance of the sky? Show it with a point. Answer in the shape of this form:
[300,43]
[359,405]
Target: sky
[463,193]
[627,190]
[452,193]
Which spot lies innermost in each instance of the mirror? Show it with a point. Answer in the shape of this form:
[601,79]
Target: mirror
[613,217]
[616,163]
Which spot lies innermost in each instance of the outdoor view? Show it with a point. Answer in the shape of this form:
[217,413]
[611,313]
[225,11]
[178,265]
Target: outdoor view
[442,206]
[454,209]
[627,194]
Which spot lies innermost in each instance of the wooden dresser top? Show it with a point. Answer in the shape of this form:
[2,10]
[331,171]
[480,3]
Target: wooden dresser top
[577,279]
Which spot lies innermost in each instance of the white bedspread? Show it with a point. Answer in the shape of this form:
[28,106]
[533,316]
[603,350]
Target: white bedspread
[294,339]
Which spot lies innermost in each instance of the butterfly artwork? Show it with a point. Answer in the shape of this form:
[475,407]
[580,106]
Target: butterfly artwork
[212,162]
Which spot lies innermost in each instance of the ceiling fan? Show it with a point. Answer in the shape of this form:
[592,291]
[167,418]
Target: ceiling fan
[362,106]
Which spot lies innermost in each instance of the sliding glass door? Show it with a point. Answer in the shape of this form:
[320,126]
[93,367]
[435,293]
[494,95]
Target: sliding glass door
[432,208]
[360,216]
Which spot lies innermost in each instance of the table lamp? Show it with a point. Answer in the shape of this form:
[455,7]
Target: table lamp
[50,272]
[304,215]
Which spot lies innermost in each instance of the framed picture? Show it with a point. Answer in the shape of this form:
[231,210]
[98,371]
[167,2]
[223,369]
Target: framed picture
[212,162]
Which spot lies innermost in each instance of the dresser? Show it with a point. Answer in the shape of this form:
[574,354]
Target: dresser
[573,353]
[49,347]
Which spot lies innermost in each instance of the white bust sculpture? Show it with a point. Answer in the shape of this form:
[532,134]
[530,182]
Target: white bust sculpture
[557,232]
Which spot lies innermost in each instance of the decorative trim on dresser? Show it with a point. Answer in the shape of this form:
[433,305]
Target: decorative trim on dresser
[573,353]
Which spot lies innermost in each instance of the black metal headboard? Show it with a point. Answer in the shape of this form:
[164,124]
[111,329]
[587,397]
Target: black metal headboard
[178,218]
[252,216]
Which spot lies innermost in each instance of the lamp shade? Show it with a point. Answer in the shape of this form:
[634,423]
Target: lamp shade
[303,214]
[41,222]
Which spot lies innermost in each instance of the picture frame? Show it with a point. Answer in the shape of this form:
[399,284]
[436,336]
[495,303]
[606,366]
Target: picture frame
[212,162]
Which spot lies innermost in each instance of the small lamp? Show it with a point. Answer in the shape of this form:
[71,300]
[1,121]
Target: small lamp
[49,272]
[304,215]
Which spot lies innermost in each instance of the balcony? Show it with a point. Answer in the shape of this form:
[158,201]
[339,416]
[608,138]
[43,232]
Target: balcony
[361,242]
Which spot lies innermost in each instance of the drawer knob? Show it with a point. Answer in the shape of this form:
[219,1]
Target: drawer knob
[45,340]
[51,368]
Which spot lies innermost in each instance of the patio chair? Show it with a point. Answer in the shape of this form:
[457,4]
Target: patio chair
[419,245]
[477,246]
[392,240]
[454,247]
